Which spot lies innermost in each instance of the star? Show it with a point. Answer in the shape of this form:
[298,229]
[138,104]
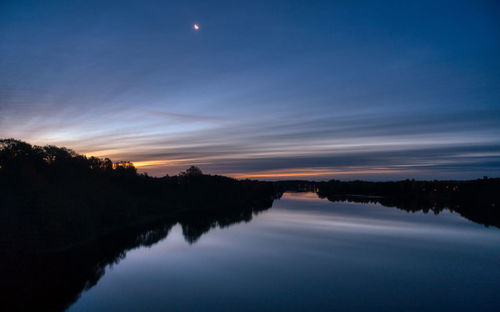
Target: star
[196,26]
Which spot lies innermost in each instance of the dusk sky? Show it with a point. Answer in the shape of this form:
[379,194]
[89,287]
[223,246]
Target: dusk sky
[375,90]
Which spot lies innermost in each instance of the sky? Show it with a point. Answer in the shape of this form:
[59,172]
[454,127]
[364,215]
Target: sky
[374,90]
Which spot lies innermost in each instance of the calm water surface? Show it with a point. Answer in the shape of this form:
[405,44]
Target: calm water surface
[309,254]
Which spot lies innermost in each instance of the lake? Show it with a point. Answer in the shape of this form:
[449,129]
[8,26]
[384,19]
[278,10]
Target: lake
[310,254]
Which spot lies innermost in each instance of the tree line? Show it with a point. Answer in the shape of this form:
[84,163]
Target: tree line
[64,217]
[54,197]
[477,200]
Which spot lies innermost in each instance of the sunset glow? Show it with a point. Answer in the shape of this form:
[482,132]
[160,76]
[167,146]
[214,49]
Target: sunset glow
[419,99]
[315,173]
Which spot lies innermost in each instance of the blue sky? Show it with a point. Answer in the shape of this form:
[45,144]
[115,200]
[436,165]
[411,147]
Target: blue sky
[269,89]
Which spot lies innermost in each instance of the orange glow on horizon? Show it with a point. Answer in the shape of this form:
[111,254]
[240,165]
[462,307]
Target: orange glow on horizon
[304,196]
[180,164]
[150,163]
[173,166]
[311,172]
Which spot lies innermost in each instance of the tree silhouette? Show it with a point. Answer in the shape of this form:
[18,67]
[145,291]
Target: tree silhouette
[64,217]
[192,171]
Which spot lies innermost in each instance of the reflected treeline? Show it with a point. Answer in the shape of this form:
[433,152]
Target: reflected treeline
[476,200]
[64,217]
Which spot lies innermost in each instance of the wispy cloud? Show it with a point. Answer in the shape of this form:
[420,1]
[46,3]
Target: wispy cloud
[258,100]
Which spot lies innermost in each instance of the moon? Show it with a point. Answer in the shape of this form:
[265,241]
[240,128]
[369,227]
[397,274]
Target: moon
[196,26]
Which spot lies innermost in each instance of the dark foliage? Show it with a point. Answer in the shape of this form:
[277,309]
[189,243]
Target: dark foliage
[298,186]
[476,200]
[48,190]
[64,217]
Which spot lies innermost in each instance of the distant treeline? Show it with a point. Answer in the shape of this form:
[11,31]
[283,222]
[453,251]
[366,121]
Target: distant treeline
[477,200]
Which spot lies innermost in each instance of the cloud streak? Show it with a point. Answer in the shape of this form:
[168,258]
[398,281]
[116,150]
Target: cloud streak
[266,102]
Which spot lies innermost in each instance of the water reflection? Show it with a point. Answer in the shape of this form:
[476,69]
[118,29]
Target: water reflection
[311,254]
[369,217]
[51,281]
[473,207]
[306,253]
